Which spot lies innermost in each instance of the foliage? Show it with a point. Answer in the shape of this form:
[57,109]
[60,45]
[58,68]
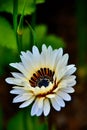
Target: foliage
[42,37]
[7,36]
[33,123]
[7,6]
[9,46]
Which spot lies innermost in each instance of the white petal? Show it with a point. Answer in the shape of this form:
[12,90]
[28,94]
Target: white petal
[40,102]
[16,81]
[17,91]
[58,56]
[69,79]
[34,108]
[50,96]
[44,48]
[59,53]
[38,105]
[72,83]
[66,82]
[53,59]
[60,101]
[68,90]
[18,75]
[35,51]
[70,69]
[64,95]
[39,112]
[64,71]
[11,80]
[26,55]
[62,84]
[55,104]
[46,107]
[46,56]
[25,63]
[25,88]
[60,73]
[27,59]
[49,49]
[20,67]
[21,98]
[63,61]
[27,103]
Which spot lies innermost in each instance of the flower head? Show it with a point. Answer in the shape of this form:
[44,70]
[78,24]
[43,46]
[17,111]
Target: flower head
[44,79]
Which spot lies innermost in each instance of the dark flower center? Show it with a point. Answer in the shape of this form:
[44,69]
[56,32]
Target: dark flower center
[43,82]
[42,77]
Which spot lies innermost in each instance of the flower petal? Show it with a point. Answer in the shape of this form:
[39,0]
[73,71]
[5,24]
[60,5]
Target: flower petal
[21,98]
[40,102]
[27,103]
[39,112]
[60,101]
[70,69]
[16,81]
[34,108]
[64,95]
[17,91]
[46,107]
[68,90]
[35,51]
[50,95]
[55,104]
[20,67]
[11,80]
[38,105]
[63,61]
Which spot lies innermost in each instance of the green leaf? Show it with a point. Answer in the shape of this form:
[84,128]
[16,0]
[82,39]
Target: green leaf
[54,41]
[40,1]
[41,32]
[16,123]
[7,36]
[43,38]
[22,118]
[31,37]
[6,56]
[7,5]
[26,39]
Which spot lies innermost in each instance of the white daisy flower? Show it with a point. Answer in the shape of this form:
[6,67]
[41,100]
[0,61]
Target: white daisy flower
[44,79]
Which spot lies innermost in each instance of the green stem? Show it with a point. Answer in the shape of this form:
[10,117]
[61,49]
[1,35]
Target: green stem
[33,24]
[32,35]
[33,20]
[15,17]
[20,27]
[15,14]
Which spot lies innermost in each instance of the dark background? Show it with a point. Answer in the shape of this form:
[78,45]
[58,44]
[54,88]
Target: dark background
[61,18]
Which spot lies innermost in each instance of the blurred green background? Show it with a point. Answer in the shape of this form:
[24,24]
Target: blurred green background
[58,23]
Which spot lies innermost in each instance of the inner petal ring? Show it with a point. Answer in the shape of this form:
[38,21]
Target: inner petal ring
[42,77]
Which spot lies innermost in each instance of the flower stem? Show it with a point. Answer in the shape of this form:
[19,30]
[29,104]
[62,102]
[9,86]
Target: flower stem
[33,24]
[33,20]
[15,14]
[15,17]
